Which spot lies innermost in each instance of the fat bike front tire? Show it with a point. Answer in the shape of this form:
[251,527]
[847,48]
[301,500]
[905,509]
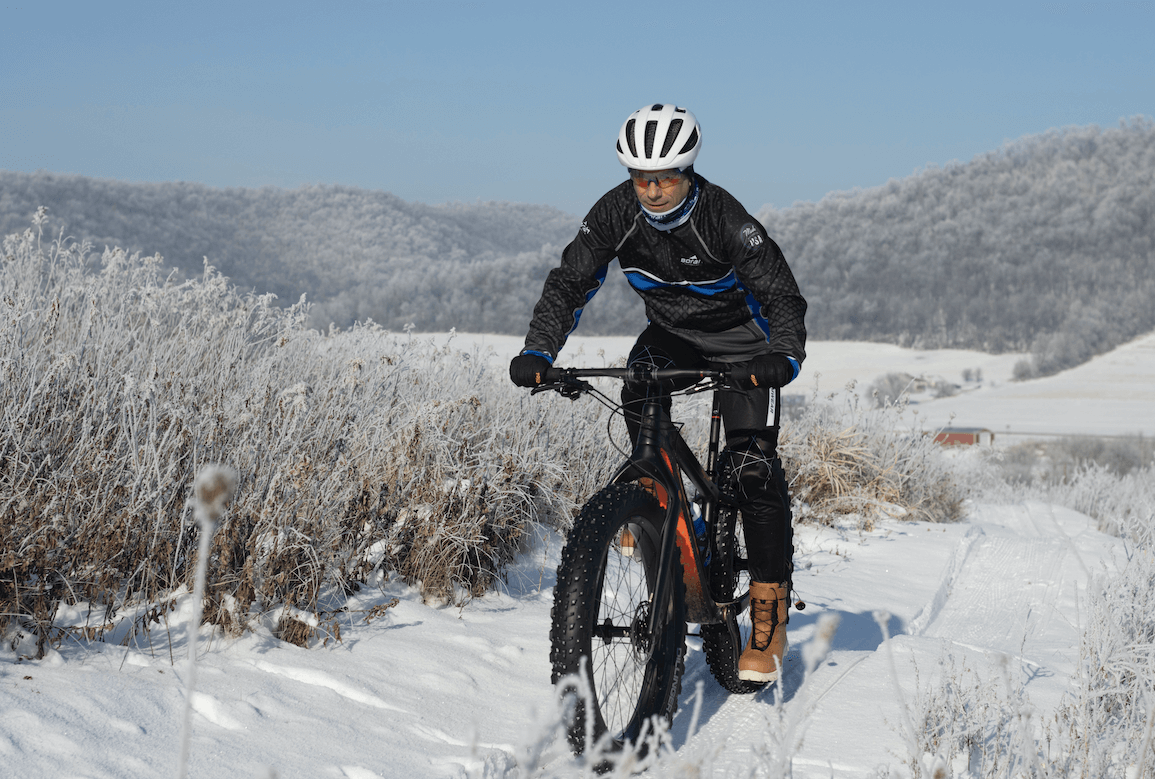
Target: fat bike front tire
[602,612]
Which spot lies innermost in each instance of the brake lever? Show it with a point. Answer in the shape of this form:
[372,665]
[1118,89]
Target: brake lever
[708,384]
[572,389]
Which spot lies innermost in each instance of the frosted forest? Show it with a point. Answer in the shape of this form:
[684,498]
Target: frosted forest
[1044,245]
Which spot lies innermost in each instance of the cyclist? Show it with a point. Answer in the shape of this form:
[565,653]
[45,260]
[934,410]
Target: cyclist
[717,290]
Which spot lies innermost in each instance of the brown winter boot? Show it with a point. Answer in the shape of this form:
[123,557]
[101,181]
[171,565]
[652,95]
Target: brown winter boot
[627,542]
[761,661]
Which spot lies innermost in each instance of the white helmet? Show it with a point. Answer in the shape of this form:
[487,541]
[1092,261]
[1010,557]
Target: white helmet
[659,137]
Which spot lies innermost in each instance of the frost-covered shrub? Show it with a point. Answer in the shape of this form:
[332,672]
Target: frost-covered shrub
[848,461]
[1123,505]
[891,388]
[355,454]
[1105,722]
[1103,726]
[1058,459]
[853,460]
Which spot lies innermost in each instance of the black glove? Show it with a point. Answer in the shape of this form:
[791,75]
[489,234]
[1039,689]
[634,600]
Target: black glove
[528,370]
[765,370]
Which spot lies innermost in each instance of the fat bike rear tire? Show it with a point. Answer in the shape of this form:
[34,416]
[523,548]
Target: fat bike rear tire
[723,643]
[601,616]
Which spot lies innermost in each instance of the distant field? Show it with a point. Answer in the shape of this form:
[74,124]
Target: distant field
[1113,394]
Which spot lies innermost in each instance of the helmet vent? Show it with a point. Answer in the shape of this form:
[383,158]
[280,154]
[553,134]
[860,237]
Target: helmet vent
[690,143]
[651,131]
[630,137]
[671,136]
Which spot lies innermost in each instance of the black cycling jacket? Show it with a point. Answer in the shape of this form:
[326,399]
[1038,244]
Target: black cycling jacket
[714,272]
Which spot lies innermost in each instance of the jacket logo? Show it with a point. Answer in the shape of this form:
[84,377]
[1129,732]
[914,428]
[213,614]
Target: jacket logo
[585,228]
[691,260]
[750,236]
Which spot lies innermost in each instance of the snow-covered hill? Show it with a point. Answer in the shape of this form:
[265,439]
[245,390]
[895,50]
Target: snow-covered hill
[420,690]
[1113,394]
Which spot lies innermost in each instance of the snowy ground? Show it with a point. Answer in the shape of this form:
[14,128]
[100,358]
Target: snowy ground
[424,691]
[1113,394]
[427,692]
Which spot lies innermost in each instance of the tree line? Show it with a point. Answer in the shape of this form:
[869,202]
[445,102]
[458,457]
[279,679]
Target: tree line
[1045,244]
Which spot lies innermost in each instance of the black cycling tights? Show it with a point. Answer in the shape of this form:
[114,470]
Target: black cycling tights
[753,446]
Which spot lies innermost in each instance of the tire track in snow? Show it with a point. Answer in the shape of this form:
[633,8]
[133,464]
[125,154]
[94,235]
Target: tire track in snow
[1006,589]
[1000,590]
[739,725]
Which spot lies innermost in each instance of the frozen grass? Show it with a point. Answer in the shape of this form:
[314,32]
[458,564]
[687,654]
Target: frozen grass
[354,461]
[1122,504]
[981,724]
[853,461]
[865,461]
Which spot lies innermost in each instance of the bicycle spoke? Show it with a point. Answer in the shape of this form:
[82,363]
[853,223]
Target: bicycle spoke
[618,665]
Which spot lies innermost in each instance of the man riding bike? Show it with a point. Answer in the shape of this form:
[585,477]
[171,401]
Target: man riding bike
[717,291]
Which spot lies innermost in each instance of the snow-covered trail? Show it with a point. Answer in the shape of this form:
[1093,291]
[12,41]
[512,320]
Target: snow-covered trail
[428,692]
[1005,583]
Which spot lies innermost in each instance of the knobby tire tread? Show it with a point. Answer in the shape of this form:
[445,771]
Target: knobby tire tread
[723,643]
[589,549]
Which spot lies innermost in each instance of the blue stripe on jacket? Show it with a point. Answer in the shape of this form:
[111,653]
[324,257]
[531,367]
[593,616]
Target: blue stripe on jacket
[577,315]
[643,282]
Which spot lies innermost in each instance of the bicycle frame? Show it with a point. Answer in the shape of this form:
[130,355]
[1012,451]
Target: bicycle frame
[661,454]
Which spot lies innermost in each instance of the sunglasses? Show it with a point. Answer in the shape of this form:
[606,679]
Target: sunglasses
[665,179]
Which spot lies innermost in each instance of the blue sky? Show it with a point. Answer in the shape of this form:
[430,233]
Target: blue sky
[449,101]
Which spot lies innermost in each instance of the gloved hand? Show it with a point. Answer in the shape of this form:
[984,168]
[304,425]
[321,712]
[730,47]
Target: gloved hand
[765,370]
[528,370]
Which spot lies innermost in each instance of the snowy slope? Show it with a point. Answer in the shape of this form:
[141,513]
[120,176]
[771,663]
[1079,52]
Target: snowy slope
[1113,394]
[418,690]
[428,692]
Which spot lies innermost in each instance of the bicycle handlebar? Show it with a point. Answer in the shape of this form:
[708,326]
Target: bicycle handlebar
[635,373]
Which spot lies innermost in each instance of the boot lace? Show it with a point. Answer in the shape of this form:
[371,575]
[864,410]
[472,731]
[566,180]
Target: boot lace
[761,638]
